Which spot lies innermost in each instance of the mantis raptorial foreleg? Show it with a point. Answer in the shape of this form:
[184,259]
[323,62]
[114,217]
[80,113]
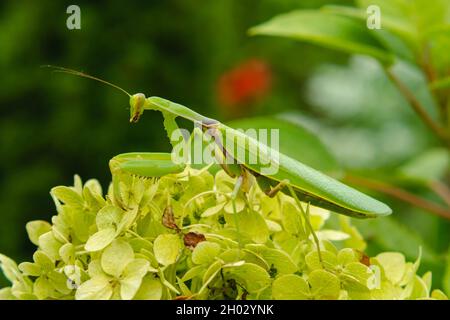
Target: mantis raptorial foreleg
[222,156]
[170,125]
[140,164]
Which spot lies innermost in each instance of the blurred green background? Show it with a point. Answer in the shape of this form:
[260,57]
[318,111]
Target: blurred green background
[196,52]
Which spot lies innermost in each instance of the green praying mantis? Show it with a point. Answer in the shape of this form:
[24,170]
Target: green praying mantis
[303,183]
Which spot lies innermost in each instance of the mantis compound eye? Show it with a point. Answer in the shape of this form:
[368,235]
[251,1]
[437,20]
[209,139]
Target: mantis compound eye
[137,102]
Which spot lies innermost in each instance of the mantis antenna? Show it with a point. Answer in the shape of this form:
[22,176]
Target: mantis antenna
[85,75]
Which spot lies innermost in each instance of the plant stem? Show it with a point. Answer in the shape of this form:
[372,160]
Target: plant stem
[418,108]
[400,194]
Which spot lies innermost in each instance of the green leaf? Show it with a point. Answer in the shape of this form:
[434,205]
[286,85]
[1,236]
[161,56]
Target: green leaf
[356,240]
[193,272]
[151,289]
[49,244]
[97,288]
[392,19]
[37,228]
[128,218]
[132,278]
[290,287]
[294,139]
[59,281]
[92,194]
[239,203]
[30,269]
[211,211]
[62,225]
[42,288]
[318,217]
[273,226]
[81,223]
[205,252]
[417,17]
[140,243]
[329,260]
[94,185]
[43,260]
[108,217]
[419,290]
[324,285]
[6,294]
[427,278]
[253,225]
[347,255]
[436,294]
[325,29]
[393,264]
[77,183]
[67,253]
[446,280]
[356,276]
[210,274]
[253,277]
[23,289]
[116,257]
[275,258]
[9,268]
[280,260]
[429,166]
[95,269]
[291,218]
[332,235]
[167,248]
[68,196]
[100,239]
[184,289]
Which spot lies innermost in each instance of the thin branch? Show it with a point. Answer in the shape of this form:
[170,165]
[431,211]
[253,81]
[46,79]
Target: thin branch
[400,194]
[418,108]
[441,190]
[427,65]
[439,95]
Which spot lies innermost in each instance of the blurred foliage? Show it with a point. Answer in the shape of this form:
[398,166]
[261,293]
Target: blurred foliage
[54,125]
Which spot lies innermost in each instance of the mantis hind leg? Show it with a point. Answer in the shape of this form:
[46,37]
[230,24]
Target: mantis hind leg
[307,220]
[243,183]
[271,190]
[234,194]
[268,187]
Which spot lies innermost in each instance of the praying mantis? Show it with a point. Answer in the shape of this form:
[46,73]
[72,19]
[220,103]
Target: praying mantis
[300,181]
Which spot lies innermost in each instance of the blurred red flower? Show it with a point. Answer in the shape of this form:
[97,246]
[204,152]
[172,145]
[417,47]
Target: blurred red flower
[247,82]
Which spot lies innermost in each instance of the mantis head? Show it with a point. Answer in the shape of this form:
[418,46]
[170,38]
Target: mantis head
[137,102]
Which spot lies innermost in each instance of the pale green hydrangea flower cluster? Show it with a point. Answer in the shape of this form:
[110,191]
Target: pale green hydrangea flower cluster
[178,237]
